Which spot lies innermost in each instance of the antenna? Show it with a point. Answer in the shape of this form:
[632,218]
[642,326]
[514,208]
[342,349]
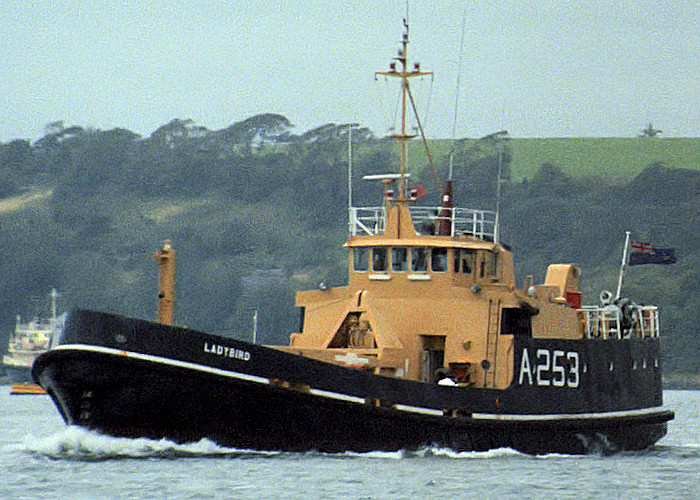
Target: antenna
[350,217]
[623,265]
[498,190]
[456,106]
[498,137]
[255,326]
[459,72]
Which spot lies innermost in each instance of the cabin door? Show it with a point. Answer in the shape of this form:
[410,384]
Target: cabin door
[432,356]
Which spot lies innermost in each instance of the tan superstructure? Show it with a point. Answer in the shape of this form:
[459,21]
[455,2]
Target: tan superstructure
[418,306]
[426,306]
[431,293]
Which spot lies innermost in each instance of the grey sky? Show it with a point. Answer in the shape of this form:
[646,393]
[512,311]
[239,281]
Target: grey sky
[537,69]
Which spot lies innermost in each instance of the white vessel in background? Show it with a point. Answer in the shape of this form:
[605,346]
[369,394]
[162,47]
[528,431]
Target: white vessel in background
[29,340]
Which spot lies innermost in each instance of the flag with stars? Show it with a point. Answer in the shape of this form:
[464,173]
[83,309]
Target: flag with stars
[644,253]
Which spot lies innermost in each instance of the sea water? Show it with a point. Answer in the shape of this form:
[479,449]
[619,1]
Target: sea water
[41,457]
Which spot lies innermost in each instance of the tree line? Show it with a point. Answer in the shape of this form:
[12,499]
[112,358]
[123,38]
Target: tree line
[256,212]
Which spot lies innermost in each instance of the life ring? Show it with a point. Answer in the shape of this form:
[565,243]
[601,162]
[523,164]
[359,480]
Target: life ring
[605,297]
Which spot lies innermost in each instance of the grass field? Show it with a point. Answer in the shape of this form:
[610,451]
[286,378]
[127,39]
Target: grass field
[607,157]
[583,157]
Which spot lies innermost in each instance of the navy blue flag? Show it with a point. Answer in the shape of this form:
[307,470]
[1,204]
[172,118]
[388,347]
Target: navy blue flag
[644,253]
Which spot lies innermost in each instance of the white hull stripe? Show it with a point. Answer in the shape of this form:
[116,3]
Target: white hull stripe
[336,395]
[570,416]
[418,409]
[344,397]
[161,360]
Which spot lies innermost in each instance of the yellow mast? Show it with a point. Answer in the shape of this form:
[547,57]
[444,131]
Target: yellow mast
[404,74]
[166,283]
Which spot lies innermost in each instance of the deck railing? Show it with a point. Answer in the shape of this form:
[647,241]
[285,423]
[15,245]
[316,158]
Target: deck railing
[426,220]
[607,322]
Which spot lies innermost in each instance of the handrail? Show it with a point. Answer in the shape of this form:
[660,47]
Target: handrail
[606,322]
[463,221]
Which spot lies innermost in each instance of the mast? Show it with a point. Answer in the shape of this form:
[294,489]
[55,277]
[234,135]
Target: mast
[350,217]
[54,299]
[404,74]
[166,283]
[623,265]
[255,327]
[499,136]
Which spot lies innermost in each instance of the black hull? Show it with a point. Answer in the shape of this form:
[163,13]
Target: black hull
[133,378]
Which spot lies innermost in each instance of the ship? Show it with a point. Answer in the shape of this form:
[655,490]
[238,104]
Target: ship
[29,340]
[430,344]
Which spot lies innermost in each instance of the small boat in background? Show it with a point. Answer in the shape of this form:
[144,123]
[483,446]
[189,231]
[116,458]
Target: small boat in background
[28,341]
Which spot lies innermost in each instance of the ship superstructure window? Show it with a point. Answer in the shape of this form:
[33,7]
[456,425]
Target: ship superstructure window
[464,261]
[438,260]
[419,261]
[360,259]
[379,260]
[399,259]
[488,263]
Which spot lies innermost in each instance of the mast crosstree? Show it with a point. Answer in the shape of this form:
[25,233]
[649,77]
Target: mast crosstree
[404,73]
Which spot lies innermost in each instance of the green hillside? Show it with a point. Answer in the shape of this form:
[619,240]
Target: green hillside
[608,157]
[256,213]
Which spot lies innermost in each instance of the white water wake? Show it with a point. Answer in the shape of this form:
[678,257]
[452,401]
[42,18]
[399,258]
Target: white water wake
[76,443]
[438,452]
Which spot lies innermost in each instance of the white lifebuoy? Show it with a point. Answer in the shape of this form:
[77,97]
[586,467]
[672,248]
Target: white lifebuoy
[605,297]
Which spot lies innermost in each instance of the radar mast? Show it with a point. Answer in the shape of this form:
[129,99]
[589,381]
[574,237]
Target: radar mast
[403,73]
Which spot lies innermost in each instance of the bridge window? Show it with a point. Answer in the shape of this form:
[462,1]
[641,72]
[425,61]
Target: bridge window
[464,260]
[488,264]
[438,261]
[360,259]
[419,261]
[379,260]
[399,259]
